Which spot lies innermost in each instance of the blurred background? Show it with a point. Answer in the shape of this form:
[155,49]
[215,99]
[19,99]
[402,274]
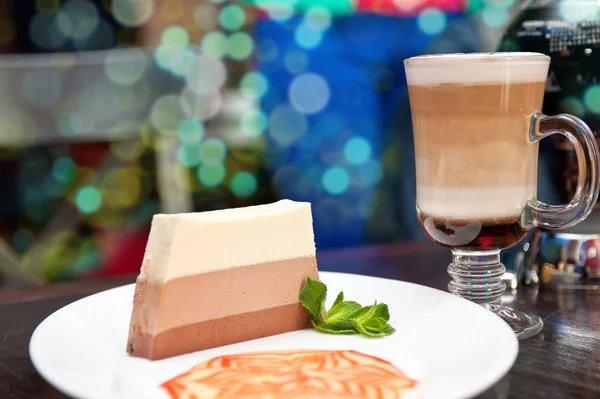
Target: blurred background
[114,110]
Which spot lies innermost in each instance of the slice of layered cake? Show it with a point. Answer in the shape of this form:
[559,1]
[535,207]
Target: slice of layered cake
[216,278]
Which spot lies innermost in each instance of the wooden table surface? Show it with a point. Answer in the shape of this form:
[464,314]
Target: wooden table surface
[562,362]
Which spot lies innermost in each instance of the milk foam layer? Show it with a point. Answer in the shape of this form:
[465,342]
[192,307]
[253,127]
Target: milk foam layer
[476,68]
[482,204]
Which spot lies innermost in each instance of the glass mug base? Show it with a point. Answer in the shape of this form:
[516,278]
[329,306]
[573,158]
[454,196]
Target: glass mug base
[476,276]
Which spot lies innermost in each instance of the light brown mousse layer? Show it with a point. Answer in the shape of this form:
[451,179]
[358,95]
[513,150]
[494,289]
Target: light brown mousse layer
[218,308]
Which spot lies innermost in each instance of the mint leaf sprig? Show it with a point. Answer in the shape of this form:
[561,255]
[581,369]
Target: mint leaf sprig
[344,317]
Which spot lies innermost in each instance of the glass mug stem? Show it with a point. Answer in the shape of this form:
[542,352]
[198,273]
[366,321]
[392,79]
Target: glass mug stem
[477,276]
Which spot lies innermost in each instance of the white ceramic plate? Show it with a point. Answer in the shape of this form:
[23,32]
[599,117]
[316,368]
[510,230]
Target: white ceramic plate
[454,348]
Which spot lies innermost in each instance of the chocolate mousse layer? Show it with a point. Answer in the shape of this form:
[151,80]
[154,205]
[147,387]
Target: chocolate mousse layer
[218,308]
[227,330]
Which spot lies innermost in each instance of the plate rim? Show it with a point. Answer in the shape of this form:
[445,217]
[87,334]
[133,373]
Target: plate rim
[481,387]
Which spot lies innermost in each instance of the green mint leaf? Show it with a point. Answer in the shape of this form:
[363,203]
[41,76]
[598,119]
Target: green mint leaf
[378,325]
[344,317]
[364,314]
[382,311]
[367,333]
[345,328]
[340,298]
[341,312]
[313,297]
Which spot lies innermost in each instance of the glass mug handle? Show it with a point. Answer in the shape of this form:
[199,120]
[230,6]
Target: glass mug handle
[579,134]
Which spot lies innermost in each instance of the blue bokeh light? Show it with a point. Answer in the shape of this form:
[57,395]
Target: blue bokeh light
[357,150]
[336,180]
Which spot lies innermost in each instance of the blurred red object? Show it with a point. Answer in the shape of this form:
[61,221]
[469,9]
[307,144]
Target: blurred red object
[123,251]
[409,7]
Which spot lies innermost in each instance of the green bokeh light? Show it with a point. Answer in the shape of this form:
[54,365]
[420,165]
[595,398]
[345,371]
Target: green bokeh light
[213,151]
[188,154]
[243,184]
[232,17]
[254,85]
[190,131]
[592,98]
[214,44]
[240,46]
[318,18]
[253,123]
[494,16]
[211,175]
[175,35]
[573,106]
[64,170]
[181,61]
[88,199]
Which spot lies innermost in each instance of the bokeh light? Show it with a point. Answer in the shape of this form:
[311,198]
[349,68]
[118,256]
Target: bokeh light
[494,15]
[188,154]
[166,113]
[124,186]
[125,68]
[200,106]
[44,32]
[205,17]
[64,170]
[336,180]
[132,13]
[280,11]
[214,44]
[232,17]
[357,150]
[253,123]
[243,184]
[253,85]
[175,35]
[591,98]
[268,50]
[573,106]
[286,125]
[295,61]
[317,18]
[41,86]
[240,45]
[77,19]
[101,38]
[190,131]
[432,21]
[309,93]
[213,151]
[206,75]
[88,199]
[211,175]
[306,37]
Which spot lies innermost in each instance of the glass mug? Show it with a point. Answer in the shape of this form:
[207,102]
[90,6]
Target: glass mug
[477,124]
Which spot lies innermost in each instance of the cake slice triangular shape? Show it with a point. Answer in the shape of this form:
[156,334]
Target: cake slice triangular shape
[215,278]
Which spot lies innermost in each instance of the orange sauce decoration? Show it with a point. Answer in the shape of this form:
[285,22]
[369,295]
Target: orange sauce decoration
[293,375]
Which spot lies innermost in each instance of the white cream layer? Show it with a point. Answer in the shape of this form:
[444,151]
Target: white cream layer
[469,203]
[185,244]
[477,68]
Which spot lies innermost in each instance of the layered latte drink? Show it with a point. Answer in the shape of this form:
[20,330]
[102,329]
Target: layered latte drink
[476,166]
